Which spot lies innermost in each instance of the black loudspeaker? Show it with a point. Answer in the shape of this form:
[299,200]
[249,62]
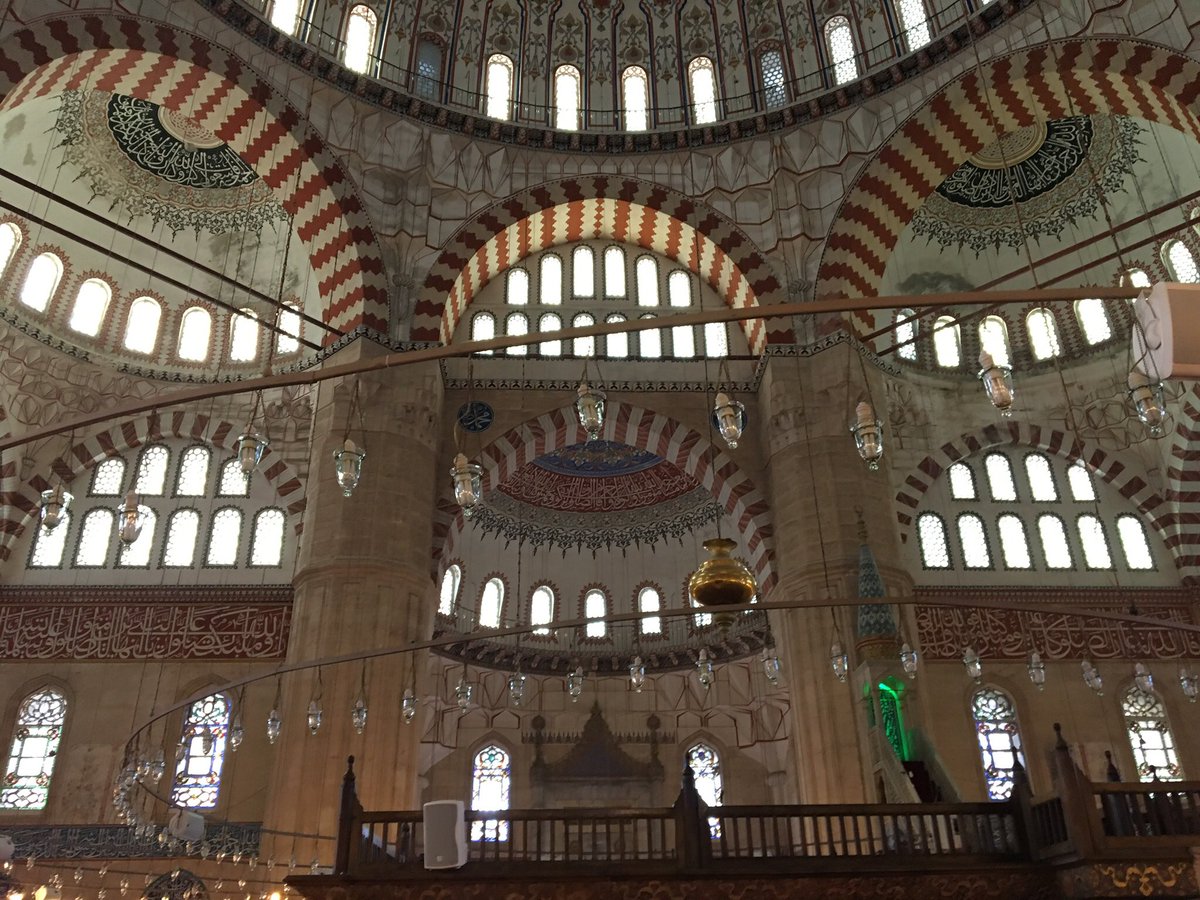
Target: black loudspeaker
[445,835]
[1167,345]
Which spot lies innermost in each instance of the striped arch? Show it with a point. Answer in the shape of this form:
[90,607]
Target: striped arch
[1183,485]
[579,209]
[1129,483]
[20,500]
[1081,77]
[645,430]
[186,73]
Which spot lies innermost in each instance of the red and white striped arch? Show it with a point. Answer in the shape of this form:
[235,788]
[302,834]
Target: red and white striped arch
[601,207]
[1182,526]
[20,499]
[1081,77]
[186,73]
[646,430]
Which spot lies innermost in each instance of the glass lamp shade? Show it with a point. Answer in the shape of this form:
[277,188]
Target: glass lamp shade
[589,407]
[1148,402]
[348,465]
[997,383]
[637,674]
[771,666]
[130,517]
[973,663]
[721,580]
[54,503]
[274,726]
[1037,670]
[516,688]
[575,684]
[1142,678]
[158,766]
[868,435]
[462,693]
[1189,683]
[467,478]
[237,733]
[408,706]
[730,418]
[909,660]
[250,449]
[315,715]
[358,714]
[1091,677]
[704,670]
[839,660]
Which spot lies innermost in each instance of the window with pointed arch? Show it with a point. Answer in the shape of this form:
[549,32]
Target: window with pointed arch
[635,98]
[962,482]
[650,341]
[192,478]
[947,344]
[37,733]
[288,338]
[550,322]
[679,289]
[491,787]
[716,340]
[137,553]
[224,537]
[1043,333]
[772,77]
[202,753]
[151,477]
[1040,475]
[839,41]
[931,535]
[285,15]
[41,281]
[179,546]
[448,595]
[516,325]
[583,271]
[243,336]
[141,325]
[1093,320]
[362,26]
[498,86]
[702,86]
[10,241]
[1150,736]
[705,764]
[266,537]
[108,478]
[906,334]
[1014,543]
[1134,546]
[1138,278]
[568,98]
[91,303]
[616,346]
[491,603]
[95,537]
[195,330]
[649,604]
[541,609]
[49,545]
[584,346]
[614,272]
[483,328]
[993,339]
[550,276]
[595,609]
[645,272]
[914,19]
[516,287]
[972,539]
[1180,262]
[1001,484]
[999,737]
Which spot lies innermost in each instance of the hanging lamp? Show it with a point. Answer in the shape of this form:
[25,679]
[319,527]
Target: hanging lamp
[55,503]
[868,435]
[131,516]
[1037,670]
[575,684]
[973,663]
[467,478]
[909,659]
[250,444]
[637,674]
[348,461]
[1142,678]
[1091,677]
[839,660]
[721,580]
[704,670]
[1189,683]
[1148,402]
[358,712]
[589,407]
[772,668]
[997,383]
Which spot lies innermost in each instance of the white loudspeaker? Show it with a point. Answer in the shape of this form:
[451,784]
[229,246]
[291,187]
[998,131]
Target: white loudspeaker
[6,848]
[1170,319]
[445,835]
[185,825]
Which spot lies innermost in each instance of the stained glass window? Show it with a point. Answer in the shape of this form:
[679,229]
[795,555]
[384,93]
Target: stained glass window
[234,482]
[583,272]
[1094,542]
[584,346]
[999,740]
[152,471]
[1150,736]
[288,338]
[1041,478]
[972,540]
[649,603]
[491,602]
[491,783]
[429,69]
[650,341]
[201,754]
[361,26]
[635,98]
[448,596]
[541,609]
[1013,542]
[94,538]
[141,328]
[266,539]
[41,281]
[550,322]
[1134,545]
[1080,481]
[516,324]
[1043,333]
[993,338]
[138,553]
[702,83]
[568,98]
[1053,534]
[706,767]
[716,340]
[616,345]
[683,342]
[193,472]
[962,482]
[10,240]
[498,86]
[1000,477]
[550,290]
[595,608]
[914,19]
[614,272]
[935,548]
[774,83]
[646,273]
[39,728]
[223,537]
[517,283]
[108,478]
[679,289]
[1181,262]
[947,349]
[285,15]
[195,329]
[49,546]
[1093,320]
[243,336]
[840,40]
[906,333]
[91,302]
[179,547]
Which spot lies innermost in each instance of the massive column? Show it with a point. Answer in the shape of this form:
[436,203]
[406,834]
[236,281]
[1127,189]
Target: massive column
[362,582]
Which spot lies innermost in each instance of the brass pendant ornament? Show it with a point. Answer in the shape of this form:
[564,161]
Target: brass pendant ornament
[721,581]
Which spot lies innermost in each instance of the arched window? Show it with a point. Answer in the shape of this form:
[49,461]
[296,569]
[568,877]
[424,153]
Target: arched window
[266,538]
[49,546]
[550,322]
[774,82]
[202,754]
[972,541]
[285,15]
[962,482]
[1053,534]
[616,346]
[683,342]
[706,768]
[935,548]
[702,85]
[224,537]
[551,277]
[498,86]
[361,27]
[91,302]
[152,471]
[41,281]
[1093,320]
[195,329]
[947,347]
[1150,736]
[10,240]
[483,328]
[914,19]
[839,39]
[906,333]
[635,98]
[141,327]
[94,538]
[192,480]
[1014,544]
[179,547]
[1138,278]
[108,478]
[568,98]
[243,336]
[541,609]
[993,338]
[1001,484]
[234,482]
[429,69]
[517,325]
[1043,333]
[491,783]
[491,603]
[646,275]
[614,272]
[1134,545]
[1080,481]
[595,608]
[36,735]
[583,272]
[448,596]
[584,346]
[1040,475]
[999,740]
[679,289]
[137,554]
[716,339]
[1094,542]
[516,287]
[288,338]
[1180,262]
[649,603]
[650,341]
